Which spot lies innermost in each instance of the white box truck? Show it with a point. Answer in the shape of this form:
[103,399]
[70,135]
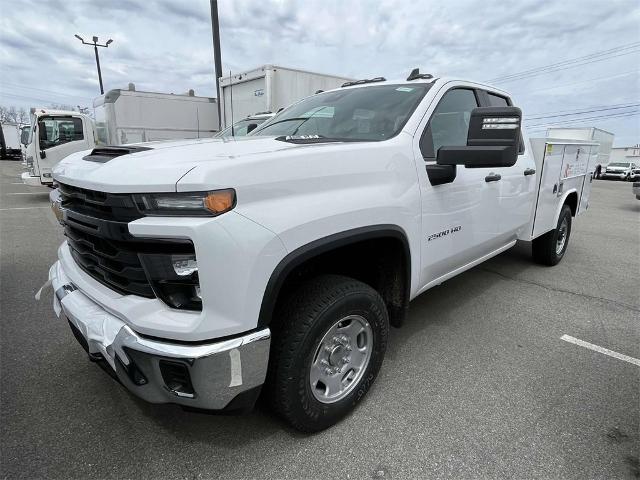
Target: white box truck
[121,117]
[129,116]
[269,88]
[9,141]
[588,134]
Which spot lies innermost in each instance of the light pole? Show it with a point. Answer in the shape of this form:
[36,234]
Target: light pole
[215,30]
[95,49]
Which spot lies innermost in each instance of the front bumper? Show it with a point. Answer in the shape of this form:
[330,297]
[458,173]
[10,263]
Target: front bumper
[216,375]
[619,175]
[31,180]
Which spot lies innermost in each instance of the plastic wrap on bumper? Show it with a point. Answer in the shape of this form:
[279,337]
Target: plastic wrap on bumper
[217,371]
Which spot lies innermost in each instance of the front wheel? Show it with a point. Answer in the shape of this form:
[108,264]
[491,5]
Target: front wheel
[548,249]
[327,349]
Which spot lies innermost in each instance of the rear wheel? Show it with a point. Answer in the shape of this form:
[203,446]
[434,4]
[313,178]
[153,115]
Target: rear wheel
[549,248]
[327,350]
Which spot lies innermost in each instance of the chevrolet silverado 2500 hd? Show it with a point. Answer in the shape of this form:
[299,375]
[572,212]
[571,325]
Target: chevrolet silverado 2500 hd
[200,272]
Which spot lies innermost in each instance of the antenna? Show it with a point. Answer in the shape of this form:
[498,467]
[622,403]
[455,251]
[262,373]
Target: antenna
[231,95]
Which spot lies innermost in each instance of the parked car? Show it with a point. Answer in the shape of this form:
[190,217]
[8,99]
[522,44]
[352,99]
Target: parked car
[635,172]
[245,126]
[201,273]
[618,170]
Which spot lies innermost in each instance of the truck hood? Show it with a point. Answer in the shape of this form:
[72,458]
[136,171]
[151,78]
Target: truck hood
[161,165]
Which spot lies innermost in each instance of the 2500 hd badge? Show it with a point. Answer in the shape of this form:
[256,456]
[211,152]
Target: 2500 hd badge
[444,233]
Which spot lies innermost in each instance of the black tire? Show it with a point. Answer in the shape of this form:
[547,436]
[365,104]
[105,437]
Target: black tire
[544,248]
[306,316]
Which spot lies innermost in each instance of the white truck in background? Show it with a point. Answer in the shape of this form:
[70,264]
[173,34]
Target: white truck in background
[589,134]
[198,271]
[131,116]
[121,117]
[269,88]
[10,141]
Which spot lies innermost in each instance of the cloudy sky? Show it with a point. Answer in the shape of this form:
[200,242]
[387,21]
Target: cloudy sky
[166,46]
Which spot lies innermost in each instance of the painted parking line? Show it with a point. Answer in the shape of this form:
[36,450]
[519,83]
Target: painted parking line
[596,348]
[21,208]
[27,193]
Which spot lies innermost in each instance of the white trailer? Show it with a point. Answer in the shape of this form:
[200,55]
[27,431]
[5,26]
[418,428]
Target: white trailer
[10,141]
[269,88]
[588,134]
[129,116]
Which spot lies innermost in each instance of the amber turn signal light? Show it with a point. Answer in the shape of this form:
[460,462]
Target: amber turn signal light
[220,201]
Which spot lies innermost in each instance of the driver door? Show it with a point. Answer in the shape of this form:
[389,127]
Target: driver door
[459,218]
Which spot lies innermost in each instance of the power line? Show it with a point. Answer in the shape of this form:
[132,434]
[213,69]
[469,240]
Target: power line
[42,90]
[570,63]
[28,97]
[586,119]
[581,108]
[631,105]
[589,80]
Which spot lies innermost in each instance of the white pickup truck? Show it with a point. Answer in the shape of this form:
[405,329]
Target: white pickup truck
[200,272]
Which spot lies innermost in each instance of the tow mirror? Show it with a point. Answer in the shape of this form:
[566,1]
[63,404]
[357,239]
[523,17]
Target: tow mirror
[251,127]
[492,141]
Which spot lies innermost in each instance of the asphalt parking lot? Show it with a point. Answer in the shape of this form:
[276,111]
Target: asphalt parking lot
[478,383]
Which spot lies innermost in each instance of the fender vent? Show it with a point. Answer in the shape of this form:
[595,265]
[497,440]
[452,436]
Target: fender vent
[104,154]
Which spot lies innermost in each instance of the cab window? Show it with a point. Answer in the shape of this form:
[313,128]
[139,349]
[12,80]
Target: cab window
[497,100]
[449,124]
[56,131]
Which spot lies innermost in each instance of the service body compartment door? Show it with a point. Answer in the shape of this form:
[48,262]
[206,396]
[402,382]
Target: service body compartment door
[588,179]
[547,202]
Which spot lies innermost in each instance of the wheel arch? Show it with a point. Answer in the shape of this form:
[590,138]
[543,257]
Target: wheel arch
[293,262]
[571,199]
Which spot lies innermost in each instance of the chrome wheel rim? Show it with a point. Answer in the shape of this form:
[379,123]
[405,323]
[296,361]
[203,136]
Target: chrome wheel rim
[562,236]
[340,359]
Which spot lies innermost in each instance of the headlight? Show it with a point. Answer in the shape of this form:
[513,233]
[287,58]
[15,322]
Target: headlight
[188,203]
[174,279]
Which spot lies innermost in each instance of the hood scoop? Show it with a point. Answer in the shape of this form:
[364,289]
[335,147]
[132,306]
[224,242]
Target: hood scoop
[105,154]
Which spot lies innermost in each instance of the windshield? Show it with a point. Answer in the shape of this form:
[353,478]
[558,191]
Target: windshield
[369,113]
[625,165]
[240,128]
[31,129]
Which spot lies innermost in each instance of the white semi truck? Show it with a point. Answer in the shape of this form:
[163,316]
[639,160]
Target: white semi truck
[121,117]
[269,88]
[200,272]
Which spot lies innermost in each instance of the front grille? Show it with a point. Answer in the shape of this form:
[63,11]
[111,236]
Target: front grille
[106,206]
[96,227]
[110,262]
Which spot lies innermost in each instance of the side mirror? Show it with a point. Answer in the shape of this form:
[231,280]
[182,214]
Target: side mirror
[251,127]
[492,141]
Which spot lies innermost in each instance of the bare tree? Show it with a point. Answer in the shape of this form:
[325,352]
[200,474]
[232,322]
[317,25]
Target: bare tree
[23,116]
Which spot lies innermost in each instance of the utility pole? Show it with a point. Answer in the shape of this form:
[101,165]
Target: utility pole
[215,30]
[95,49]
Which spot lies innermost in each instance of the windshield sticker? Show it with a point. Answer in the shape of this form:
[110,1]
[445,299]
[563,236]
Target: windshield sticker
[404,89]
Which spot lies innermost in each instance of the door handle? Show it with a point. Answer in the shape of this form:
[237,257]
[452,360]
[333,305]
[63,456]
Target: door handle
[492,177]
[529,171]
